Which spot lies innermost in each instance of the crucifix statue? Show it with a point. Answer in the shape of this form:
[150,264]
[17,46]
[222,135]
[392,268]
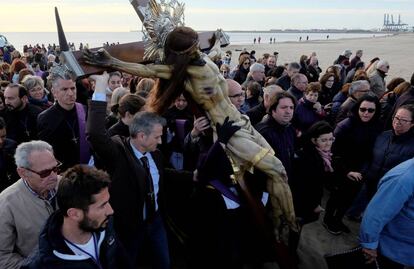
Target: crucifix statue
[180,65]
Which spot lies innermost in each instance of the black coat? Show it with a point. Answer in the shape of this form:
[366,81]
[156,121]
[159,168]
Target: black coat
[307,182]
[354,143]
[8,174]
[58,127]
[53,253]
[21,125]
[119,128]
[281,139]
[128,175]
[284,82]
[256,114]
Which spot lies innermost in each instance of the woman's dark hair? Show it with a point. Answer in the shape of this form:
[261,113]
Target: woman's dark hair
[359,65]
[394,83]
[409,108]
[16,66]
[254,88]
[317,129]
[325,78]
[131,103]
[368,98]
[181,48]
[276,71]
[243,58]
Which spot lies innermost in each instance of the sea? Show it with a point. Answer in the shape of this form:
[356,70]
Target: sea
[97,39]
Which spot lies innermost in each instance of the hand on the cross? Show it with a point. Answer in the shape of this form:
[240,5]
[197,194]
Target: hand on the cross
[100,57]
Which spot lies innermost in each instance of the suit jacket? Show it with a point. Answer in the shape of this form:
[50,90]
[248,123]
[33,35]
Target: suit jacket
[54,127]
[127,174]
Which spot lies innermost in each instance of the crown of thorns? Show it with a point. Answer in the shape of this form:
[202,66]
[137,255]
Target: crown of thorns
[59,70]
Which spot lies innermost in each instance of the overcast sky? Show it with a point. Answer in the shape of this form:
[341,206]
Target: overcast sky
[118,15]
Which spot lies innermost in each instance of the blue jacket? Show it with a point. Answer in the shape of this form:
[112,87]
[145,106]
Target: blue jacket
[388,222]
[389,151]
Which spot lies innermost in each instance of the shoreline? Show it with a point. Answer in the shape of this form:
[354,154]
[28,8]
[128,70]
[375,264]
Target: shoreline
[316,41]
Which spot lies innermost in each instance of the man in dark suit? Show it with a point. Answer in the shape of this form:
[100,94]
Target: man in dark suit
[63,124]
[138,189]
[20,116]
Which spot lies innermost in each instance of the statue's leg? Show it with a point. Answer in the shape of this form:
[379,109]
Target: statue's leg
[247,151]
[279,191]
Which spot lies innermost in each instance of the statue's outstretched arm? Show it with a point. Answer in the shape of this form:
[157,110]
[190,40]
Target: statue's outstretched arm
[103,58]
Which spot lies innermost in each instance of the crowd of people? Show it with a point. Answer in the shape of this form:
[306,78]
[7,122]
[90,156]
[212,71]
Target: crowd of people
[95,174]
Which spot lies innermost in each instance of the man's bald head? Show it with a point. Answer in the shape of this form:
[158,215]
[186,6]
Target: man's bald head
[236,93]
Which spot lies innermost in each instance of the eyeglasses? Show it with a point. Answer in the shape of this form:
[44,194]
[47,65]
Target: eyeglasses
[237,95]
[401,121]
[324,140]
[247,63]
[364,109]
[47,172]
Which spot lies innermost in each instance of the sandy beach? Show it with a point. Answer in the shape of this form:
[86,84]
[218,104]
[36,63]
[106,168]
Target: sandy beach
[397,49]
[315,240]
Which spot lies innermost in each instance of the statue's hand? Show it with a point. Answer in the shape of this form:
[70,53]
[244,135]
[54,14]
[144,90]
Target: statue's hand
[100,57]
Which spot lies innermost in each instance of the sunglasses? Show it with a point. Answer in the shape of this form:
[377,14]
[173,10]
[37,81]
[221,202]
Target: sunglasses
[364,109]
[47,172]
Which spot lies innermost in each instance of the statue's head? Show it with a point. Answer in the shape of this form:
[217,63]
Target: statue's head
[181,41]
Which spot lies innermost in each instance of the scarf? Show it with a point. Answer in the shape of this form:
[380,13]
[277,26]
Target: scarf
[327,158]
[43,101]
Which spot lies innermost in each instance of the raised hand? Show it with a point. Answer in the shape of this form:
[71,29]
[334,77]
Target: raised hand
[101,82]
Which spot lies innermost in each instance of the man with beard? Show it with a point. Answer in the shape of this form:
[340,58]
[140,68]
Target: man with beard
[63,124]
[80,233]
[26,205]
[21,116]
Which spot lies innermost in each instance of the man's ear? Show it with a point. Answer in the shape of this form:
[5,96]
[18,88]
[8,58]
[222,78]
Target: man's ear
[25,99]
[75,213]
[22,172]
[313,140]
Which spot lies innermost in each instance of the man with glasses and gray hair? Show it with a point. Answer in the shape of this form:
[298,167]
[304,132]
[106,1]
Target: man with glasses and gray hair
[26,205]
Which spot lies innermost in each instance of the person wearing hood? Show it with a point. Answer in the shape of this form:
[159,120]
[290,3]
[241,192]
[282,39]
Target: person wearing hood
[377,78]
[80,233]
